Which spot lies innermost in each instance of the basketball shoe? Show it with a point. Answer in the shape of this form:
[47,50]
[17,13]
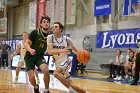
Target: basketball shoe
[72,91]
[38,81]
[47,92]
[133,83]
[36,90]
[16,79]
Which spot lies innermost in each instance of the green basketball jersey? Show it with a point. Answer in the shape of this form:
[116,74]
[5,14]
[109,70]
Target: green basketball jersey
[39,43]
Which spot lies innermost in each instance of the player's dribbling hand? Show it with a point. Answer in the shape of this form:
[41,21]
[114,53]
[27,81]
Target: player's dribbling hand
[67,50]
[32,52]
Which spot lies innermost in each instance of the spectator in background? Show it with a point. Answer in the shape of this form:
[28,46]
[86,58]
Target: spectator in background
[127,62]
[117,66]
[129,50]
[120,65]
[130,64]
[5,49]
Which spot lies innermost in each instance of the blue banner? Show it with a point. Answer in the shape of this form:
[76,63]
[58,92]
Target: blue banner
[118,38]
[102,7]
[127,7]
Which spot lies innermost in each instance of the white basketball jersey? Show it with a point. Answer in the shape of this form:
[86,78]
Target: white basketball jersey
[22,49]
[60,43]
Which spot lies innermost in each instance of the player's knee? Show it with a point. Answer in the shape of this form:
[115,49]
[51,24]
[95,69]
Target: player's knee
[56,74]
[44,68]
[45,71]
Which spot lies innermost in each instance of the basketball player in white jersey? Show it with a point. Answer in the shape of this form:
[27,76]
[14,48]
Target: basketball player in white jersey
[59,46]
[20,48]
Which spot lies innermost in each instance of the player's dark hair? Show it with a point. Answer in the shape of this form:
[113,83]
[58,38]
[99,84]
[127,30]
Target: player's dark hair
[46,18]
[60,25]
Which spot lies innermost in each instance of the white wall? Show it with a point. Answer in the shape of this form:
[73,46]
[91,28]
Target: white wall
[129,24]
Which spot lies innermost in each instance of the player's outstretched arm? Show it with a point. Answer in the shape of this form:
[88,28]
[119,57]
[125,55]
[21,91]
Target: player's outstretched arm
[16,51]
[27,45]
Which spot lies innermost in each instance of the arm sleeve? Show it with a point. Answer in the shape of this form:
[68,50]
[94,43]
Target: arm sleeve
[32,35]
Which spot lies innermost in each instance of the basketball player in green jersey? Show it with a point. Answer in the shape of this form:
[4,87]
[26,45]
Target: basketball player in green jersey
[36,45]
[59,46]
[20,48]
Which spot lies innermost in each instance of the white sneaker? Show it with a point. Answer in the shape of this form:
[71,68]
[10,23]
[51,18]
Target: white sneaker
[2,68]
[126,77]
[120,78]
[6,68]
[116,78]
[72,91]
[15,80]
[38,81]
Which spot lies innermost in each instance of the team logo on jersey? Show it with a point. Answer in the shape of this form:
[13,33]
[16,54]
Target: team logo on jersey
[59,47]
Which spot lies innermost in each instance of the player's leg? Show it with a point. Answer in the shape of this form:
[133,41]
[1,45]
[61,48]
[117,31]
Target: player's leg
[44,68]
[36,74]
[33,80]
[20,64]
[31,77]
[30,66]
[76,88]
[58,74]
[69,80]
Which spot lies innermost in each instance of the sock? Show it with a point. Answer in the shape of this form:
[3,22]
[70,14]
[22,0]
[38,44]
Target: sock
[36,87]
[70,88]
[46,90]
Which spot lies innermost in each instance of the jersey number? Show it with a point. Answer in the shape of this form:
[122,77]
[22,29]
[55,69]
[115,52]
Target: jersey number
[41,45]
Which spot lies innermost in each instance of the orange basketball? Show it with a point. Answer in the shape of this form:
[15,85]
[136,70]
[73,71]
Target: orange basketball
[83,56]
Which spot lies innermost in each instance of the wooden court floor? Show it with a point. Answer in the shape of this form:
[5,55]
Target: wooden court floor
[90,85]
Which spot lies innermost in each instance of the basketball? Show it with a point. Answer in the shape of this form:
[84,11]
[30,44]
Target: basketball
[83,56]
